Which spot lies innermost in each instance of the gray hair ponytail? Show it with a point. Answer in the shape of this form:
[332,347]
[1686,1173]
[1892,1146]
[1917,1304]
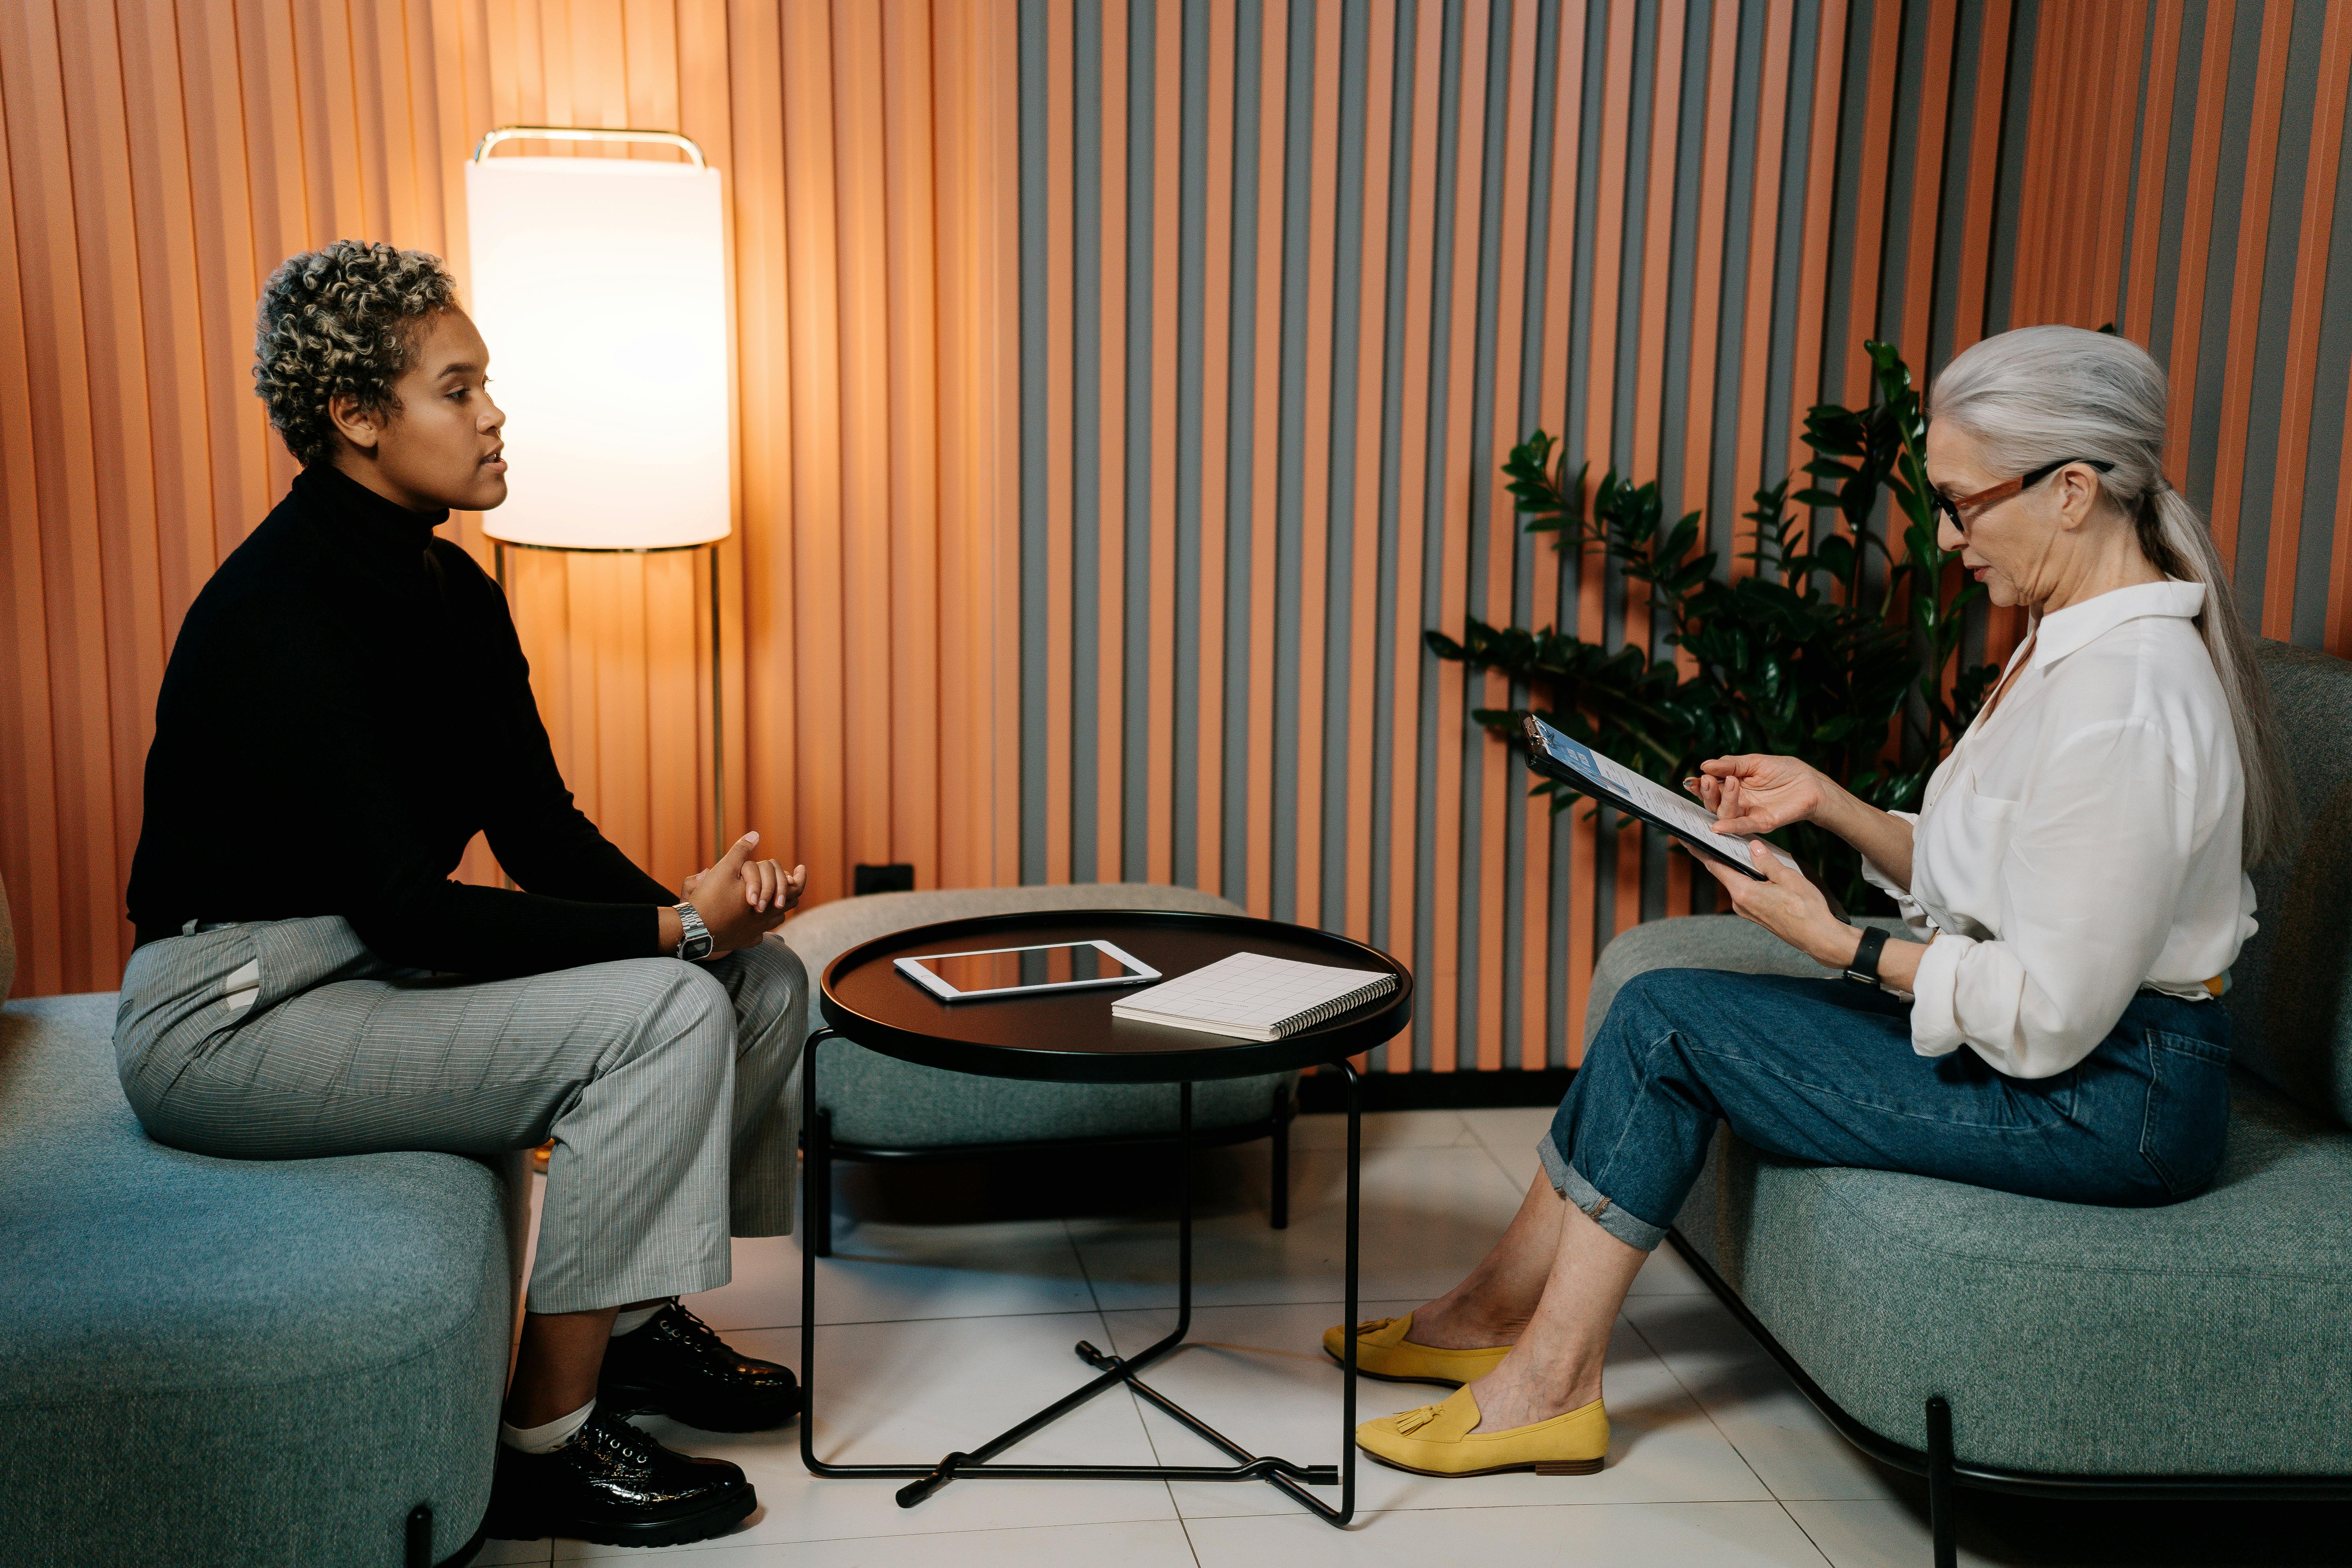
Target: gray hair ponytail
[2039,394]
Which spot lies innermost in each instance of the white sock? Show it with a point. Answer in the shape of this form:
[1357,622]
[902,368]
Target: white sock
[629,1323]
[548,1438]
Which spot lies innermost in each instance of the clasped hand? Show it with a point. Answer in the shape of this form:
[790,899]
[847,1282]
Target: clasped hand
[762,894]
[1756,795]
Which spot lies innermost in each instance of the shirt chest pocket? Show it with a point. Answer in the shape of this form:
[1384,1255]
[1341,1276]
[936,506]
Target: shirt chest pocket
[1991,810]
[1977,824]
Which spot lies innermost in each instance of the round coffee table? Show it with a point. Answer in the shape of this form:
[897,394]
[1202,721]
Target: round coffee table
[1072,1037]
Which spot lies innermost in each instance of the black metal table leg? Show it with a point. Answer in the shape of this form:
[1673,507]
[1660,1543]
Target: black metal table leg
[1289,1477]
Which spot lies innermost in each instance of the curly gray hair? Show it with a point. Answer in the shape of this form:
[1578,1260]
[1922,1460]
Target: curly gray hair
[340,320]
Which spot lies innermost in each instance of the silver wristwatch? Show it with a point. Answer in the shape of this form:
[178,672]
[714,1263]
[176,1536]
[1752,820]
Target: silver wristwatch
[697,944]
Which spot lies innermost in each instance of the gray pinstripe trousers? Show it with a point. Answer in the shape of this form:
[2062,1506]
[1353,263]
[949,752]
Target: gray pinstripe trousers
[662,1083]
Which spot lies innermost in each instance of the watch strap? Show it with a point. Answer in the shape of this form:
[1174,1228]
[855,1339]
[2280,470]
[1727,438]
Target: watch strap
[1863,969]
[697,942]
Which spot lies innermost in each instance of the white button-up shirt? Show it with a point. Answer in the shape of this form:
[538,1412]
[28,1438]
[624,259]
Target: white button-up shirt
[2082,840]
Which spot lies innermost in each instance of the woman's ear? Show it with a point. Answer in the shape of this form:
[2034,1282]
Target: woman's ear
[355,425]
[2076,490]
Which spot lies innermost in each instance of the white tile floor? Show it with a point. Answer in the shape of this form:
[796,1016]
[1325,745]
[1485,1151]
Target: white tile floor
[932,1337]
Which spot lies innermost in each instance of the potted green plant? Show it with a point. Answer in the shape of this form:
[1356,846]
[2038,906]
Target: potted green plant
[1835,646]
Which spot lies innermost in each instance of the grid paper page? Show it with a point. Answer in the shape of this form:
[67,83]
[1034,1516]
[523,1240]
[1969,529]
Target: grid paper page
[1249,991]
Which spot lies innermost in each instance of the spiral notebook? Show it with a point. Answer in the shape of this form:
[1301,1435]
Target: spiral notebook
[1253,997]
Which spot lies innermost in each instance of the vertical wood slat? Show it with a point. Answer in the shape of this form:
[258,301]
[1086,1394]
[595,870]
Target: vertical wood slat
[1601,398]
[1545,841]
[1216,350]
[863,541]
[1165,244]
[1821,204]
[1110,591]
[1974,282]
[2126,68]
[1498,768]
[2155,151]
[2246,283]
[1454,518]
[1699,457]
[1372,360]
[1314,578]
[910,179]
[1411,660]
[1061,85]
[822,819]
[2298,402]
[1870,206]
[1928,182]
[30,839]
[1763,237]
[1274,74]
[2196,234]
[61,443]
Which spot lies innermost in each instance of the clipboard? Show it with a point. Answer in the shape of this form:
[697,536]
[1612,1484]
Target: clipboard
[1557,756]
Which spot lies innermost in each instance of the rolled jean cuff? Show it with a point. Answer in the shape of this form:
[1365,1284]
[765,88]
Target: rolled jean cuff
[1569,1184]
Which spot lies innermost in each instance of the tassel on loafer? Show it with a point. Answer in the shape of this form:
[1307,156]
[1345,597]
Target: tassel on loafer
[1437,1440]
[1382,1351]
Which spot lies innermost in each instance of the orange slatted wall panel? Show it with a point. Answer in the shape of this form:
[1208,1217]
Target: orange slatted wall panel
[1121,383]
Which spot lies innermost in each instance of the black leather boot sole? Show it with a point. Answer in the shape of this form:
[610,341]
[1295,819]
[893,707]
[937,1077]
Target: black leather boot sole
[715,1516]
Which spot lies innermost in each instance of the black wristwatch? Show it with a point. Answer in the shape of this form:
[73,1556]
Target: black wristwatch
[1863,969]
[697,944]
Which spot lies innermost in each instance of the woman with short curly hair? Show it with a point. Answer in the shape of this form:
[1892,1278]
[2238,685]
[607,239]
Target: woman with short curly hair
[346,705]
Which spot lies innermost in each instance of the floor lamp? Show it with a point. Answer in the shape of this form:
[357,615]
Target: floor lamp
[600,284]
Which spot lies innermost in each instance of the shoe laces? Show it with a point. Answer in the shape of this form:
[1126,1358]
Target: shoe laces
[686,1326]
[615,1435]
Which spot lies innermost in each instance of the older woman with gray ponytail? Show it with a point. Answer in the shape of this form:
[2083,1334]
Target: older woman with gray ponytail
[2074,888]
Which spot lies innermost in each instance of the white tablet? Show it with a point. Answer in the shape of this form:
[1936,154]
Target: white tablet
[1023,971]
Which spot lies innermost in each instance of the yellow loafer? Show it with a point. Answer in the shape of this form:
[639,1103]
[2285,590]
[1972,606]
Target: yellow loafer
[1382,1351]
[1437,1440]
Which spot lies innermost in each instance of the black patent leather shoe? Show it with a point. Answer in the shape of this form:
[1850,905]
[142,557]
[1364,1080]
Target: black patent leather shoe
[613,1485]
[674,1366]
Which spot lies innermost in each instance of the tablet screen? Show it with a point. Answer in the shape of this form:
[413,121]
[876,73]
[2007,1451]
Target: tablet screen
[1006,969]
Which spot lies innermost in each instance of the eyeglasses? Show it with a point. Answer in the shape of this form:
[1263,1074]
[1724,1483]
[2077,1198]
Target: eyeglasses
[1952,507]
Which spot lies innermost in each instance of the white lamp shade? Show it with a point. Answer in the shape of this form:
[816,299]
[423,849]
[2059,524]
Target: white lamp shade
[600,285]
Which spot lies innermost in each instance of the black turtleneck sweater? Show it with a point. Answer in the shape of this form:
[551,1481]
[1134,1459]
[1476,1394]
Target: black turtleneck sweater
[346,705]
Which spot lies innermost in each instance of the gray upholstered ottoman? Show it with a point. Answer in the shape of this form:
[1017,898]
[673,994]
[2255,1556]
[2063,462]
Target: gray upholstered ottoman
[235,1361]
[871,1106]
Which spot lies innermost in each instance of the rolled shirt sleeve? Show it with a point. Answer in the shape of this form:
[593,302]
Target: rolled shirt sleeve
[2089,883]
[1914,914]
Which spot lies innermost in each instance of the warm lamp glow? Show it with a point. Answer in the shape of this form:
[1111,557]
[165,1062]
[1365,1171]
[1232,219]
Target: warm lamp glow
[600,285]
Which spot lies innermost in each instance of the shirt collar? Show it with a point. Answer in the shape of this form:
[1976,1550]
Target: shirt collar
[2061,632]
[376,530]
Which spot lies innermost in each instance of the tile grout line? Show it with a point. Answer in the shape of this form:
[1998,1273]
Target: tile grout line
[1078,1255]
[1801,1528]
[1691,1394]
[1057,1312]
[1186,1526]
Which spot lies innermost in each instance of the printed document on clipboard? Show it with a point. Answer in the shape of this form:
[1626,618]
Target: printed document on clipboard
[1557,756]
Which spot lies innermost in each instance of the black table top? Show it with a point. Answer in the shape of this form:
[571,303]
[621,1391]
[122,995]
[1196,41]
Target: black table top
[1071,1037]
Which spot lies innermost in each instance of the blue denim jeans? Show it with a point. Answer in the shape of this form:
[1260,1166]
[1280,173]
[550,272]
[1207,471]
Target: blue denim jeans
[1822,1071]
